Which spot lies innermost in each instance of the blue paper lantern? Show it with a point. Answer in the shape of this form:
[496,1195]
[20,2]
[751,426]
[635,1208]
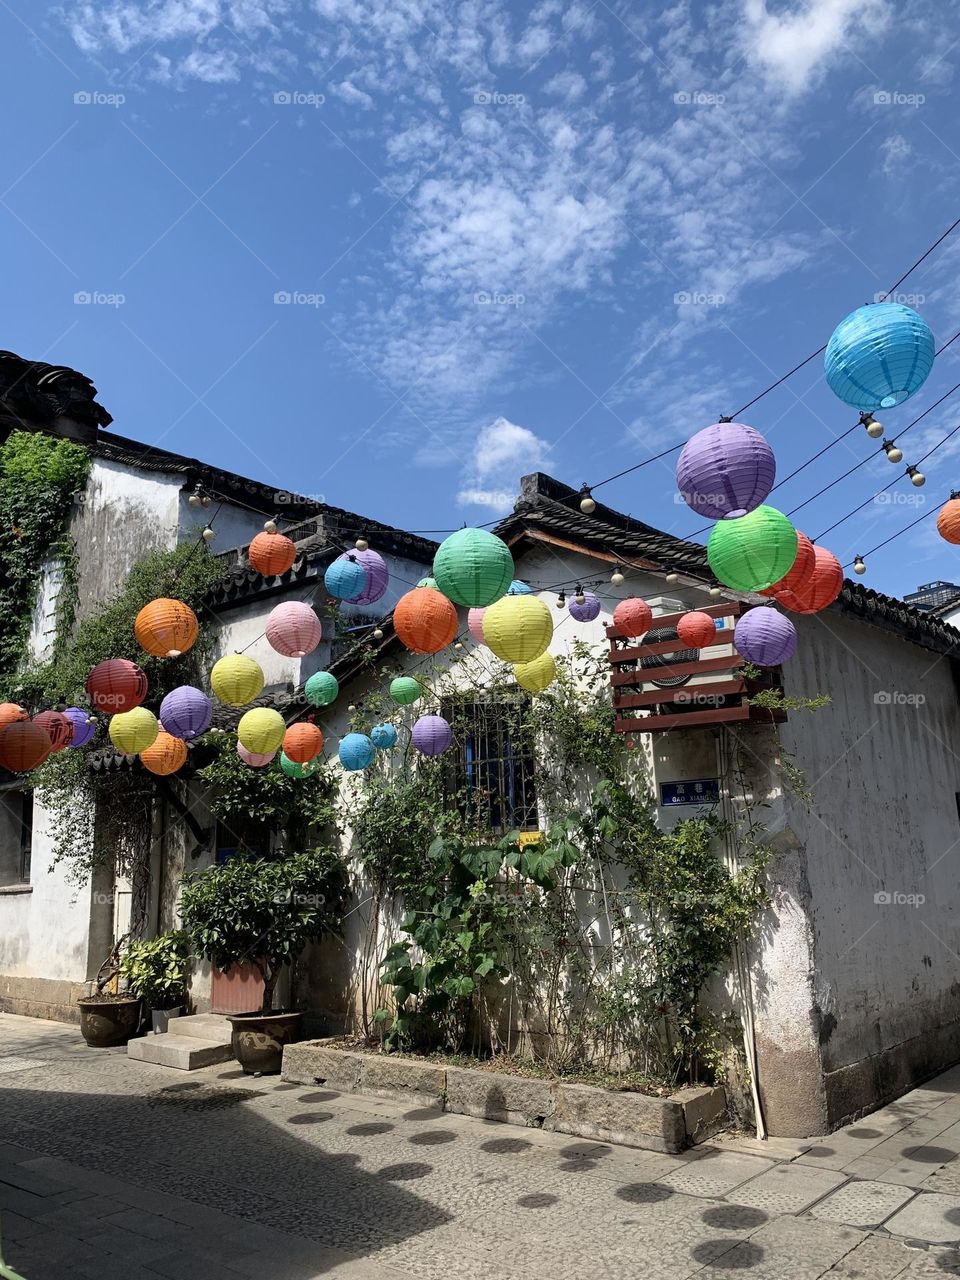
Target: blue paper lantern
[879,356]
[518,588]
[345,578]
[383,736]
[356,752]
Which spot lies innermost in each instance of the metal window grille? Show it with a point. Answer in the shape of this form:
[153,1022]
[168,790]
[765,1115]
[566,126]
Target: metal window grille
[492,765]
[17,823]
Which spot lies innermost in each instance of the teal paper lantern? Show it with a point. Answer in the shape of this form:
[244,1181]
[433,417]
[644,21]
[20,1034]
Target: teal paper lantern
[356,752]
[473,568]
[879,356]
[345,578]
[294,770]
[428,582]
[383,736]
[753,550]
[321,689]
[518,588]
[404,690]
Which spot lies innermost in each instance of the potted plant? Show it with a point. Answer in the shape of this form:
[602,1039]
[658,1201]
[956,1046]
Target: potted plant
[157,972]
[111,1017]
[263,911]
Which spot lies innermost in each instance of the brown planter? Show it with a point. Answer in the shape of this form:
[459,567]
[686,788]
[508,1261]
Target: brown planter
[108,1022]
[258,1039]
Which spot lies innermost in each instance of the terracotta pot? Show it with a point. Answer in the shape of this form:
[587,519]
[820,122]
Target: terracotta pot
[258,1039]
[108,1022]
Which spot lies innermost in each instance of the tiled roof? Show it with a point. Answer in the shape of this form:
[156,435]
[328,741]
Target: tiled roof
[38,396]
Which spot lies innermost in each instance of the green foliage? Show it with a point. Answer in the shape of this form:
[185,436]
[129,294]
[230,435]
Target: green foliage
[263,911]
[157,969]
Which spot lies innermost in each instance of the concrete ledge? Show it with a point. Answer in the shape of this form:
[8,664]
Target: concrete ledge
[629,1119]
[183,1053]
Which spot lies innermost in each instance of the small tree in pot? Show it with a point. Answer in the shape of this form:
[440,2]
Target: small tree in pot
[157,972]
[264,911]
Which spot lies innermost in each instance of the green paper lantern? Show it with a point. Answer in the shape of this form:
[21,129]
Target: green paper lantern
[404,690]
[751,552]
[294,770]
[321,689]
[473,568]
[428,582]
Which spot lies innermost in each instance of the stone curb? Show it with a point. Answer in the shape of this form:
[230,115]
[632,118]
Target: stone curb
[627,1119]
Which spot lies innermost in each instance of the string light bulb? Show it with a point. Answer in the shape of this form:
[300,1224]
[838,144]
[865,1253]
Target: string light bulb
[859,566]
[673,578]
[874,428]
[362,544]
[208,535]
[196,498]
[587,504]
[715,591]
[917,478]
[378,633]
[580,597]
[561,600]
[894,454]
[270,526]
[616,577]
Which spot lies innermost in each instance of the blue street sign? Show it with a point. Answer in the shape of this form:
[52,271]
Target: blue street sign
[690,791]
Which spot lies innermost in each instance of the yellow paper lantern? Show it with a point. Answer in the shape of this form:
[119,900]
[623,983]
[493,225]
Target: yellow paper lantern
[167,755]
[518,628]
[236,680]
[535,676]
[261,730]
[134,731]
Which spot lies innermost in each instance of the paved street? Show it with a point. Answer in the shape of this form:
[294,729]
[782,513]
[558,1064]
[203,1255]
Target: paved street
[116,1169]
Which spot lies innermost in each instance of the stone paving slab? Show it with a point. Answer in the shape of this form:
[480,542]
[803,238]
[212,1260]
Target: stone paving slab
[788,1188]
[862,1204]
[788,1249]
[716,1173]
[876,1258]
[929,1217]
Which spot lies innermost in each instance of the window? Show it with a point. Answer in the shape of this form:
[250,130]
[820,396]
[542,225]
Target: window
[491,766]
[16,835]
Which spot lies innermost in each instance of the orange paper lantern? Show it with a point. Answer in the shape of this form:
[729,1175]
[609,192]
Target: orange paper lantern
[696,629]
[58,726]
[424,620]
[23,746]
[302,742]
[948,521]
[116,685]
[633,617]
[272,554]
[10,713]
[820,589]
[166,628]
[166,755]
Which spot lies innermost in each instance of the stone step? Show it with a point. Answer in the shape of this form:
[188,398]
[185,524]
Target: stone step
[203,1026]
[183,1053]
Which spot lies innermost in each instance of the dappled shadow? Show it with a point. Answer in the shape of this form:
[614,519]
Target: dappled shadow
[537,1200]
[319,1095]
[433,1137]
[644,1192]
[404,1172]
[863,1133]
[740,1258]
[424,1113]
[584,1151]
[310,1117]
[819,1151]
[505,1146]
[368,1130]
[733,1217]
[929,1155]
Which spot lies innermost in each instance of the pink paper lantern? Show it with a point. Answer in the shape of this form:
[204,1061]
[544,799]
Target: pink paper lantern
[475,623]
[255,758]
[293,629]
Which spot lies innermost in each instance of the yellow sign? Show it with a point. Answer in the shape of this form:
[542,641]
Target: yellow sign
[529,837]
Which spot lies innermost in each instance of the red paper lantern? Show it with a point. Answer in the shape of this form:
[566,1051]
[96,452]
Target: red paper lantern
[801,571]
[10,713]
[272,553]
[58,727]
[948,521]
[23,746]
[302,742]
[166,628]
[116,685]
[697,629]
[165,755]
[820,589]
[424,620]
[633,617]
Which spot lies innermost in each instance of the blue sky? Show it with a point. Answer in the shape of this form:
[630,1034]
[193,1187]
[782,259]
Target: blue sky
[558,236]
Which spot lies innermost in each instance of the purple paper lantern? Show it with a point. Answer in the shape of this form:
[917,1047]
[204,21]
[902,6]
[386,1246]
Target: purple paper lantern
[378,576]
[186,712]
[765,637]
[726,467]
[84,726]
[432,735]
[587,611]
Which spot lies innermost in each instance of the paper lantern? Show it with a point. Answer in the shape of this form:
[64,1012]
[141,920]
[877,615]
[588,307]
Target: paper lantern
[293,629]
[261,730]
[302,741]
[256,759]
[587,611]
[272,554]
[133,731]
[473,567]
[518,588]
[84,726]
[59,728]
[293,769]
[752,550]
[475,624]
[726,467]
[383,736]
[431,735]
[166,628]
[535,676]
[186,712]
[802,568]
[116,685]
[23,746]
[697,629]
[404,690]
[633,617]
[879,356]
[321,689]
[428,582]
[518,628]
[10,713]
[236,680]
[948,527]
[165,756]
[424,620]
[820,589]
[765,637]
[345,577]
[377,580]
[356,752]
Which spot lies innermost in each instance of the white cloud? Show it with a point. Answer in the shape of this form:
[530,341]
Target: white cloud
[502,452]
[795,45]
[349,93]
